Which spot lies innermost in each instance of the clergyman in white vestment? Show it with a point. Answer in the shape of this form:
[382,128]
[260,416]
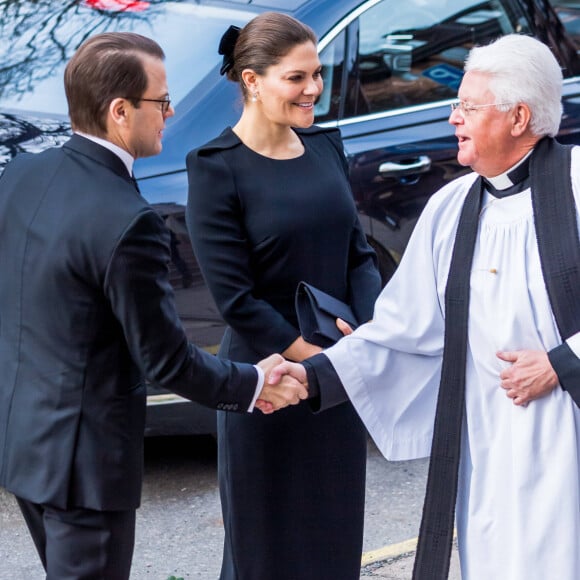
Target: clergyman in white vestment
[518,502]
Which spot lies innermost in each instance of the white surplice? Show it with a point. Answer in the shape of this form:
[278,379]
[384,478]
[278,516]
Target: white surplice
[518,505]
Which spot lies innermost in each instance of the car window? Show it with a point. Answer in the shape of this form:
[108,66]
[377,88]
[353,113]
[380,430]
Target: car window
[332,60]
[412,52]
[38,38]
[569,13]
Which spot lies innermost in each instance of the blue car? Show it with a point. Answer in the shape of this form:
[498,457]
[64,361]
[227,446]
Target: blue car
[391,69]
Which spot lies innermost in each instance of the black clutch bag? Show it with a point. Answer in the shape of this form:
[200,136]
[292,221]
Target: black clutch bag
[317,312]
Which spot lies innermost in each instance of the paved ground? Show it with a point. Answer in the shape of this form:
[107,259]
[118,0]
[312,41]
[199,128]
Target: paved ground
[179,529]
[399,564]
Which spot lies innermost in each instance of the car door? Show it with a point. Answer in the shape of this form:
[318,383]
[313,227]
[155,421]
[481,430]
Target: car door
[391,73]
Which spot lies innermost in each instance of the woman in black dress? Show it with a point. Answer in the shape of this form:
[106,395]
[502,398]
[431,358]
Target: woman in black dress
[270,205]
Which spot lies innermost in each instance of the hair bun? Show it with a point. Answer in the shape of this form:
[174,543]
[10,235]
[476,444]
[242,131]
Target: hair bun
[226,48]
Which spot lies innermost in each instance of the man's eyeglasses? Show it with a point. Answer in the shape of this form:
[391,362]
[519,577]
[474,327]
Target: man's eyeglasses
[165,103]
[467,109]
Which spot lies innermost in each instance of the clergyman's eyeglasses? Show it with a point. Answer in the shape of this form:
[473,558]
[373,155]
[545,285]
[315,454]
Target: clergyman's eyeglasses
[466,109]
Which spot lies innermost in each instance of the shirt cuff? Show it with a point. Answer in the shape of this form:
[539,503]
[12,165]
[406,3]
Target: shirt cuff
[259,387]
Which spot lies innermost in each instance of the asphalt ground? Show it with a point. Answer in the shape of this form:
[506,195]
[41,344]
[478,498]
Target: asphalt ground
[395,562]
[181,505]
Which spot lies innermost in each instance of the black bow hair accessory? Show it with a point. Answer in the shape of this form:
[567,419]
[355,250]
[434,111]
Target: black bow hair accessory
[227,45]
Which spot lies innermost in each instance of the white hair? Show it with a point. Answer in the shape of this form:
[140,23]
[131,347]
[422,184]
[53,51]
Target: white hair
[523,70]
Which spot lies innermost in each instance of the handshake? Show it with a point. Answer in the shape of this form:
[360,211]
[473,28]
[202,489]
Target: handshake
[285,383]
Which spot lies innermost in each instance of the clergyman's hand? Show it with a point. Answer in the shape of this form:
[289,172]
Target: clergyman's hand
[529,377]
[279,392]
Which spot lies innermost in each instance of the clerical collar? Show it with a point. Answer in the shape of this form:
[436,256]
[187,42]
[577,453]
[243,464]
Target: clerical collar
[513,181]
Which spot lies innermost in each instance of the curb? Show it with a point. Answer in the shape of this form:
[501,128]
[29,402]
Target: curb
[387,552]
[394,551]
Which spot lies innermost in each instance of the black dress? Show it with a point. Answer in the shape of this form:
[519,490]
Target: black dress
[292,484]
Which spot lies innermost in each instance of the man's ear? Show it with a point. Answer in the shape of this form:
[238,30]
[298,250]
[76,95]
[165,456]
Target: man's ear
[119,111]
[522,117]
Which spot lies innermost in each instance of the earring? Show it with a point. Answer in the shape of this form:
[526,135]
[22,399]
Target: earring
[254,97]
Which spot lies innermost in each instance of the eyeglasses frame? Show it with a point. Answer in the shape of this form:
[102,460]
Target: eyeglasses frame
[165,103]
[465,109]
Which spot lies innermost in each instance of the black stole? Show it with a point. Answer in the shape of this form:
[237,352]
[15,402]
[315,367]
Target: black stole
[559,246]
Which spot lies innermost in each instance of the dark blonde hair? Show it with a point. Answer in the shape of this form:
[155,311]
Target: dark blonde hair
[105,67]
[264,41]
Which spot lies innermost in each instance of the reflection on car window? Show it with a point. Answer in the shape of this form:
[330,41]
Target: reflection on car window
[569,13]
[331,59]
[412,52]
[38,38]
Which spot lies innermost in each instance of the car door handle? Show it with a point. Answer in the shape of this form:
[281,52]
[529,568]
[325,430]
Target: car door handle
[420,165]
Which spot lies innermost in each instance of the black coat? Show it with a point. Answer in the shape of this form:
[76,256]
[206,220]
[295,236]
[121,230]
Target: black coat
[292,483]
[86,312]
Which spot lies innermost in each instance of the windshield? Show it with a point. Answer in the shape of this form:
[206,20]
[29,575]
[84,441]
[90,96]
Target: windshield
[39,37]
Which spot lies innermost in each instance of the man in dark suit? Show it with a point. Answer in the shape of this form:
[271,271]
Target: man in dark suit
[87,311]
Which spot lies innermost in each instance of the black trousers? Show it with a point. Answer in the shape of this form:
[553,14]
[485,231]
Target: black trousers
[79,543]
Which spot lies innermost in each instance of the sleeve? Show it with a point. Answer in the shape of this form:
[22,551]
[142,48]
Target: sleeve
[216,228]
[141,296]
[319,372]
[364,279]
[390,367]
[567,366]
[333,135]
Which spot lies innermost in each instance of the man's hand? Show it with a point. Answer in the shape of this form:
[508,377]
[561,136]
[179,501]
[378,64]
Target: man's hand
[289,369]
[280,391]
[530,376]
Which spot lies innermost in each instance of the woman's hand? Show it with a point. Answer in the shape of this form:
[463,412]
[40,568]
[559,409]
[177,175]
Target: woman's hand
[300,350]
[343,326]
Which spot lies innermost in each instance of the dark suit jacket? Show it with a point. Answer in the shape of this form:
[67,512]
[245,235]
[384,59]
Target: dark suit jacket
[87,311]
